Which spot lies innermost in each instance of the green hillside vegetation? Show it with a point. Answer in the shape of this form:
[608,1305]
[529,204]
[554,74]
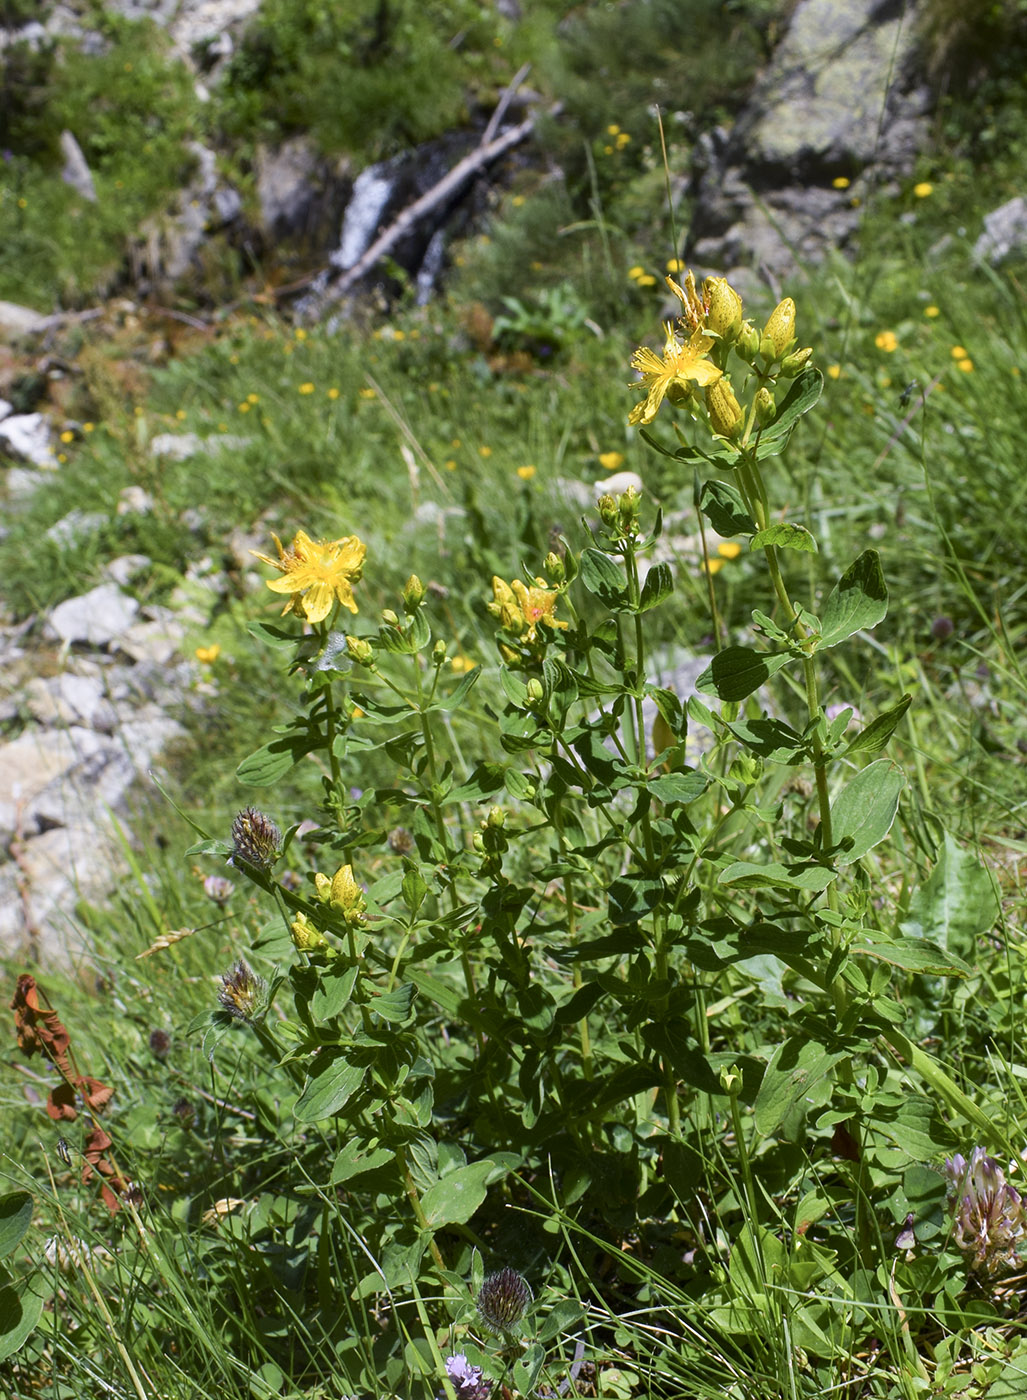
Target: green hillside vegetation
[533,1031]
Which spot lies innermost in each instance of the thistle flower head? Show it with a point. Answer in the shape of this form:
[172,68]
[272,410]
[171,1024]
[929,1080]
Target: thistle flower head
[988,1217]
[503,1300]
[244,993]
[256,841]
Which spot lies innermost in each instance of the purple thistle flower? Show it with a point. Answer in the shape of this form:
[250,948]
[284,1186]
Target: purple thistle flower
[988,1217]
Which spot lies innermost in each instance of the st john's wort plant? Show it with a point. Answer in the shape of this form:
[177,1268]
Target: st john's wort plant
[524,948]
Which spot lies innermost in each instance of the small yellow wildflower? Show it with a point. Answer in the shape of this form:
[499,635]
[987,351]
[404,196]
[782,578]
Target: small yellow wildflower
[923,189]
[680,366]
[179,413]
[965,364]
[613,129]
[958,352]
[306,388]
[834,371]
[886,341]
[342,893]
[607,150]
[517,201]
[675,265]
[450,465]
[841,182]
[62,457]
[399,335]
[522,609]
[485,452]
[368,393]
[88,427]
[206,656]
[611,461]
[300,333]
[455,443]
[636,272]
[932,311]
[622,140]
[332,393]
[233,359]
[729,549]
[23,203]
[462,664]
[67,436]
[253,398]
[713,566]
[526,473]
[222,427]
[245,407]
[646,280]
[316,573]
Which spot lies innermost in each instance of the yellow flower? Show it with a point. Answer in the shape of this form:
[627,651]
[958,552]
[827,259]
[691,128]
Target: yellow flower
[67,436]
[923,189]
[932,311]
[622,140]
[613,129]
[343,893]
[729,549]
[306,388]
[332,393]
[206,656]
[485,452]
[253,398]
[834,371]
[646,280]
[462,664]
[300,333]
[965,364]
[523,609]
[611,461]
[958,352]
[62,457]
[841,182]
[316,573]
[88,427]
[245,407]
[450,465]
[526,473]
[399,335]
[675,265]
[679,368]
[886,341]
[180,413]
[713,566]
[368,393]
[636,272]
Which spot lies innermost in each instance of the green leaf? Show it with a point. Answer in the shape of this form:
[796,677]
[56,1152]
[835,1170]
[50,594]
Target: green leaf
[15,1219]
[334,989]
[561,687]
[275,637]
[858,601]
[458,694]
[785,536]
[723,507]
[863,812]
[632,897]
[394,1005]
[958,903]
[745,875]
[352,1162]
[414,890]
[483,782]
[797,1066]
[272,761]
[604,579]
[875,736]
[801,397]
[684,786]
[528,1368]
[912,954]
[772,739]
[659,584]
[720,461]
[331,1083]
[736,672]
[454,1198]
[20,1310]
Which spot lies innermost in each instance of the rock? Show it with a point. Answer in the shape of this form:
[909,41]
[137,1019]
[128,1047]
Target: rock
[96,618]
[69,699]
[133,500]
[169,246]
[301,196]
[841,93]
[176,447]
[125,568]
[156,641]
[5,408]
[76,172]
[16,321]
[1005,232]
[76,525]
[26,436]
[34,765]
[616,484]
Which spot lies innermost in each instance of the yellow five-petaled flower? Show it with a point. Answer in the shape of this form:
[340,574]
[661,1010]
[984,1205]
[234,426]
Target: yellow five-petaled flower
[522,609]
[316,573]
[681,366]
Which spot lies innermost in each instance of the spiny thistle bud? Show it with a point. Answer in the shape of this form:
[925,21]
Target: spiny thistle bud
[555,567]
[503,1300]
[607,508]
[361,651]
[792,364]
[988,1218]
[243,994]
[766,408]
[779,332]
[724,317]
[306,937]
[413,594]
[723,408]
[256,841]
[469,1382]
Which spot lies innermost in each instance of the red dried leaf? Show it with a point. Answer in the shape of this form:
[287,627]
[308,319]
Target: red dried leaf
[97,1143]
[60,1103]
[39,1032]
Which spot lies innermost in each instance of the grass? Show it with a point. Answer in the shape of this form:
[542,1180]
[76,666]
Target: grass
[718,1256]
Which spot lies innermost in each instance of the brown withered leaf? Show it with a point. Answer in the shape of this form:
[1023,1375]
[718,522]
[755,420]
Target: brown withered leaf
[39,1032]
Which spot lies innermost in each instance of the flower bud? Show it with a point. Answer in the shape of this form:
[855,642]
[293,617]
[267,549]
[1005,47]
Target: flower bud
[555,567]
[243,994]
[535,691]
[256,841]
[438,653]
[413,593]
[390,618]
[796,361]
[496,817]
[360,651]
[748,343]
[503,1300]
[725,314]
[779,332]
[607,508]
[306,937]
[766,408]
[628,509]
[722,406]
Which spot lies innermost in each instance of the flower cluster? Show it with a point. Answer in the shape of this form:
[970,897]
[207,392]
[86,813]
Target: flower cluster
[503,1300]
[316,574]
[256,840]
[988,1217]
[243,994]
[469,1381]
[522,609]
